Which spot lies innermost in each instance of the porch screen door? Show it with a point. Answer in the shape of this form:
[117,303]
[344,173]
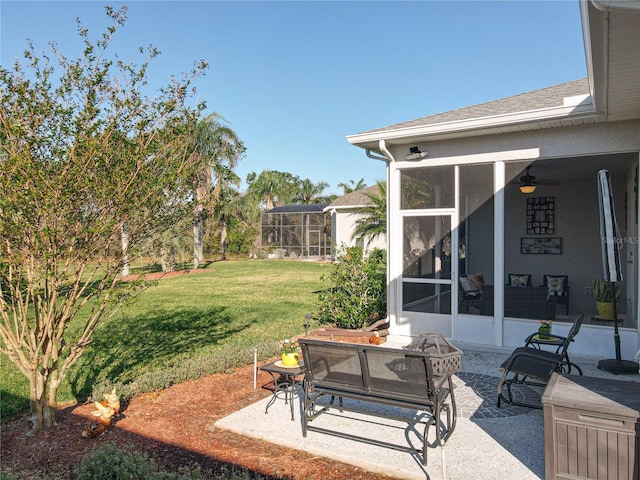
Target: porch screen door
[427,268]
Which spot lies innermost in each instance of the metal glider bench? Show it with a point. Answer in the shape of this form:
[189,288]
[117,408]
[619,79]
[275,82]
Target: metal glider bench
[335,371]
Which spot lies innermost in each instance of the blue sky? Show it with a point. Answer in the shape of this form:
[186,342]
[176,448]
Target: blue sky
[294,78]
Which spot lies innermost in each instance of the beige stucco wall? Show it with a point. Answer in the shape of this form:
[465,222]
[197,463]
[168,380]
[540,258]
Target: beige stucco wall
[342,226]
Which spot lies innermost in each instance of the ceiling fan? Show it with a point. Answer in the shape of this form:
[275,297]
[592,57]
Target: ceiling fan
[529,182]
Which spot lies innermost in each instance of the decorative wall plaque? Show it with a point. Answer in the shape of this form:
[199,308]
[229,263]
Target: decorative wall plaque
[541,245]
[540,216]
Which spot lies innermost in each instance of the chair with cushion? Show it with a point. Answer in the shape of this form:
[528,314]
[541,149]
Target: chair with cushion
[471,293]
[533,367]
[519,280]
[558,286]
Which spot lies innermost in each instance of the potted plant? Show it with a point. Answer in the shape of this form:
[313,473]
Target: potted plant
[544,330]
[289,353]
[605,293]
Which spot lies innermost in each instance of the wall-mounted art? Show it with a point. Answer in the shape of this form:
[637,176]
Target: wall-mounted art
[540,216]
[544,245]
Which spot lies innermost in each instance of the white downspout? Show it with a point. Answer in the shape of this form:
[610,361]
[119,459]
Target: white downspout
[391,229]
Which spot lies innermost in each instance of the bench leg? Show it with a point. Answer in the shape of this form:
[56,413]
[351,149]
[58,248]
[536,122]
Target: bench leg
[306,405]
[442,431]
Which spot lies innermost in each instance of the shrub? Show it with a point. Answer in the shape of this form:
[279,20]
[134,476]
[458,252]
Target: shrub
[356,289]
[112,463]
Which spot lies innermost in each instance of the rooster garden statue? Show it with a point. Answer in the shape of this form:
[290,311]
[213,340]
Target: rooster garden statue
[105,411]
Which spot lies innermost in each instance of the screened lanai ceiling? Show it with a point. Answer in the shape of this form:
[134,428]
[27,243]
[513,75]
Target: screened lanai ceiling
[578,167]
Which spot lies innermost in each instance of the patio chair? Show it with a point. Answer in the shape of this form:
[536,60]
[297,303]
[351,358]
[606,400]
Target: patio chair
[533,367]
[558,286]
[471,293]
[558,341]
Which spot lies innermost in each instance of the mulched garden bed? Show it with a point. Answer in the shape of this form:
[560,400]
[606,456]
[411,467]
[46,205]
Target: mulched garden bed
[176,428]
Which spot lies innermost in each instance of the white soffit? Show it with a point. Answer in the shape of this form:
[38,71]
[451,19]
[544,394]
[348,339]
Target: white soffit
[623,82]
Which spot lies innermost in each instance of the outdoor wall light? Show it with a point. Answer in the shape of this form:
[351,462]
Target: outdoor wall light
[416,154]
[527,188]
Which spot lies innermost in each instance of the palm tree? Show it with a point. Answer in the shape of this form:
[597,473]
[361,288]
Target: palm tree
[309,192]
[373,220]
[352,186]
[271,188]
[222,149]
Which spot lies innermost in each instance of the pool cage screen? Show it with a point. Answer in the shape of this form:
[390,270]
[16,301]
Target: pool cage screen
[297,231]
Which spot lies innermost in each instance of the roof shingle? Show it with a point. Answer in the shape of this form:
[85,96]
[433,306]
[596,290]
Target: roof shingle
[538,99]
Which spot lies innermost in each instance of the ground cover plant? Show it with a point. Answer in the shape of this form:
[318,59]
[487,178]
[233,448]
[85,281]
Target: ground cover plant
[184,327]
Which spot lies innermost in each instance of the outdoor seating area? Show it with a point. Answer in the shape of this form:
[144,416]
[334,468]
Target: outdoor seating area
[521,302]
[514,434]
[521,298]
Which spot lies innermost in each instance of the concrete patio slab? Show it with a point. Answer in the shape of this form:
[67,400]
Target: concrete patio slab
[488,442]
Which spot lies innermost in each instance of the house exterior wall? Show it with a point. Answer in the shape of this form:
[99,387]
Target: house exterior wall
[343,223]
[602,140]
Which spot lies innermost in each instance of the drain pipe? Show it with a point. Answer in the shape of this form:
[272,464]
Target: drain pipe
[616,5]
[388,158]
[376,157]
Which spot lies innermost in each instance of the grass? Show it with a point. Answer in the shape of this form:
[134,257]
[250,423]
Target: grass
[184,327]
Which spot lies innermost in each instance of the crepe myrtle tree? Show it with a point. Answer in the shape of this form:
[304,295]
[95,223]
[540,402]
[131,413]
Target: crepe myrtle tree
[85,154]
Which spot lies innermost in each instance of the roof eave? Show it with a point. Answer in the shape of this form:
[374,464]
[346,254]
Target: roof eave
[345,207]
[464,128]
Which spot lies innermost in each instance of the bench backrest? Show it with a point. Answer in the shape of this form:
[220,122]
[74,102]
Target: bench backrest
[368,369]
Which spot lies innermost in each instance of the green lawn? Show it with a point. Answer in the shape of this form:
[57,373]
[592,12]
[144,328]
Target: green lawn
[187,326]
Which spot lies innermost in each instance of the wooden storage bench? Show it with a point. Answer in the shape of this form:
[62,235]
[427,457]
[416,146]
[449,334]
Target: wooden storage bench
[381,375]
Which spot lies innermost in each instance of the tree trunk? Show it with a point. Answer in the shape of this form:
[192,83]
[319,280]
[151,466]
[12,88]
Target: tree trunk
[167,259]
[198,236]
[35,405]
[43,408]
[223,236]
[124,235]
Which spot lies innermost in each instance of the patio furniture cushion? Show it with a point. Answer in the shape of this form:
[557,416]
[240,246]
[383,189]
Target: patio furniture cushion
[468,285]
[520,279]
[557,285]
[558,288]
[477,278]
